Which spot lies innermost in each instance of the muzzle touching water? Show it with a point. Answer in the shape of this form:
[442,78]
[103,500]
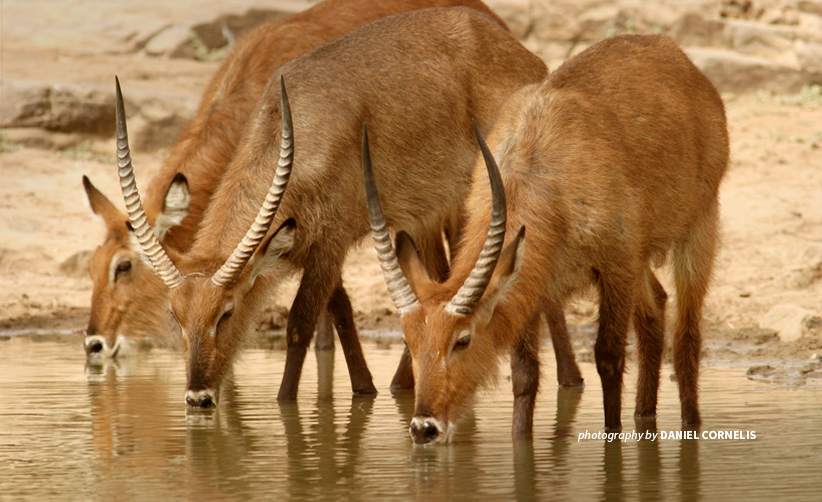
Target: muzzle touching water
[97,347]
[426,430]
[202,399]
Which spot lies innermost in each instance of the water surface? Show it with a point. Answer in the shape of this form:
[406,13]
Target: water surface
[122,432]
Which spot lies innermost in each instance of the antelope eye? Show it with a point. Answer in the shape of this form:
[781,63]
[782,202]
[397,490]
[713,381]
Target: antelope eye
[227,314]
[462,342]
[123,267]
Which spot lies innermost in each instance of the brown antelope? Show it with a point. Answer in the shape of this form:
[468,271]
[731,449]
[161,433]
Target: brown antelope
[128,299]
[419,78]
[611,163]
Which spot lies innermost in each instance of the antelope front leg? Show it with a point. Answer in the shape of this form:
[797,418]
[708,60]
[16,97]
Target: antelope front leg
[339,306]
[404,376]
[312,296]
[525,376]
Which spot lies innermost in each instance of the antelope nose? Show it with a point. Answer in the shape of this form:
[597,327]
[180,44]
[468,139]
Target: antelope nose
[94,345]
[423,430]
[200,399]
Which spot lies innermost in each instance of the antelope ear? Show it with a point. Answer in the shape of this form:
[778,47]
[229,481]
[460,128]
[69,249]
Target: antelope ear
[409,259]
[269,253]
[505,275]
[102,207]
[175,207]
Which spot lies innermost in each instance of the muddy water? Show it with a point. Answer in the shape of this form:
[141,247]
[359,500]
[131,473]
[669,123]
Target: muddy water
[122,433]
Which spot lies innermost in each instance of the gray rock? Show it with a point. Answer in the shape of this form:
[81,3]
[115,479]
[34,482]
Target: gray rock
[693,29]
[76,265]
[733,72]
[212,34]
[808,269]
[174,41]
[516,14]
[810,6]
[791,322]
[758,39]
[809,56]
[155,120]
[57,107]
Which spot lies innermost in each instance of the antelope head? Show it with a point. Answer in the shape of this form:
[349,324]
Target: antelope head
[213,302]
[446,324]
[128,300]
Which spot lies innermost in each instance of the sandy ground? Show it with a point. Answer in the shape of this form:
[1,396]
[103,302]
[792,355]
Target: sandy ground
[771,253]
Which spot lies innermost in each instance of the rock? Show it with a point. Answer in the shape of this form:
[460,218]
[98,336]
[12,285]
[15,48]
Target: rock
[694,29]
[791,322]
[808,270]
[810,7]
[760,372]
[212,34]
[32,137]
[158,121]
[76,265]
[733,72]
[758,39]
[57,107]
[739,9]
[155,120]
[516,14]
[557,21]
[174,41]
[809,57]
[785,376]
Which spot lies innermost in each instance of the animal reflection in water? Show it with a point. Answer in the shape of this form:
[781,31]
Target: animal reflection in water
[320,447]
[130,415]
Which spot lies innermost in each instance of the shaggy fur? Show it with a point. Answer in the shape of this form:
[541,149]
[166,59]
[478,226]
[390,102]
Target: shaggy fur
[417,79]
[612,163]
[136,303]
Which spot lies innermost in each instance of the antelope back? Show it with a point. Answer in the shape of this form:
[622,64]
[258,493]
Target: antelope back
[434,71]
[609,163]
[133,302]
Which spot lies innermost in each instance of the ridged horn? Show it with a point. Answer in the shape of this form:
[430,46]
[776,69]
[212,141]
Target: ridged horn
[139,222]
[463,303]
[228,274]
[401,292]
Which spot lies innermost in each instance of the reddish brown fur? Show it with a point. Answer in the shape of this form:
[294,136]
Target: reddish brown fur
[137,306]
[417,79]
[611,163]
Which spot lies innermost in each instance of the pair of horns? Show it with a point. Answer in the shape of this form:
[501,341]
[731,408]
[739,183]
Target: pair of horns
[228,274]
[466,299]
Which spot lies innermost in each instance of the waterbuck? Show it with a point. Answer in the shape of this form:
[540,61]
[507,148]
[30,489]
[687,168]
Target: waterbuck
[128,299]
[418,78]
[612,163]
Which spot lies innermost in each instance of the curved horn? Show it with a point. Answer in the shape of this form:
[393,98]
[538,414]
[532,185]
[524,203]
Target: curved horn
[463,303]
[230,271]
[139,222]
[401,292]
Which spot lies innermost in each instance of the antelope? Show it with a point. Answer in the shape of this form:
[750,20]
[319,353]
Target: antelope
[419,78]
[612,163]
[128,299]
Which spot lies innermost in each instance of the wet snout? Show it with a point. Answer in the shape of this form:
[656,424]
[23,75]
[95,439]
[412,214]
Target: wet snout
[201,399]
[427,429]
[97,346]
